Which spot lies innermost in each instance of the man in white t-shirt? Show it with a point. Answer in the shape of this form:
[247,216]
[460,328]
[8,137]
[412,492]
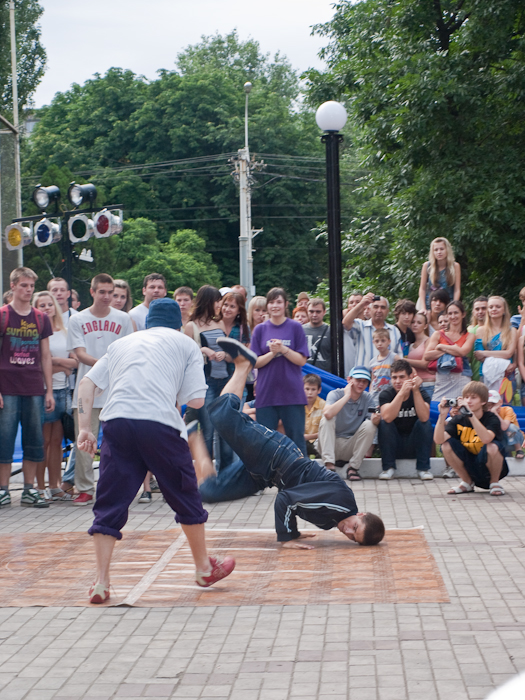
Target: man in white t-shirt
[89,335]
[148,374]
[153,287]
[59,288]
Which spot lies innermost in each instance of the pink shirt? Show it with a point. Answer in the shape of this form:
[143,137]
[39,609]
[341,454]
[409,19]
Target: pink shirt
[417,354]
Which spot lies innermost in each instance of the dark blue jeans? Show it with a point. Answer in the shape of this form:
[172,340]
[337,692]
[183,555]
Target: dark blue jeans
[270,457]
[231,483]
[292,418]
[395,445]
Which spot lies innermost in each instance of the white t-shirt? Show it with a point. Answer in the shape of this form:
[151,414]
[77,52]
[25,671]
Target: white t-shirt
[66,315]
[147,373]
[138,314]
[95,335]
[58,348]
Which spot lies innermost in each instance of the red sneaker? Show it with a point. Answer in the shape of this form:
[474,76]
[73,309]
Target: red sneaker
[98,593]
[221,567]
[83,499]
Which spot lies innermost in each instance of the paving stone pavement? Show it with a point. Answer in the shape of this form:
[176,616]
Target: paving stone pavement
[450,651]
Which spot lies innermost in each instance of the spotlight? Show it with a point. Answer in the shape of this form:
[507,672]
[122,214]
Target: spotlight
[46,233]
[80,228]
[44,196]
[107,224]
[17,236]
[79,194]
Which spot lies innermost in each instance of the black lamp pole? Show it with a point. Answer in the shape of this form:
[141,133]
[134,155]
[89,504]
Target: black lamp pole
[331,139]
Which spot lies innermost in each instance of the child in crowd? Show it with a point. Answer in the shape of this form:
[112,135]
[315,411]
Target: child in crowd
[509,424]
[404,312]
[441,271]
[313,411]
[380,364]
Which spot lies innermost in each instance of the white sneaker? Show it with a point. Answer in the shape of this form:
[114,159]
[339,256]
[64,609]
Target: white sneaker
[449,473]
[425,475]
[388,474]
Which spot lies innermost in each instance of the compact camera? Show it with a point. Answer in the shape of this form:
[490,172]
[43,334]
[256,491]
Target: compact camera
[376,298]
[452,403]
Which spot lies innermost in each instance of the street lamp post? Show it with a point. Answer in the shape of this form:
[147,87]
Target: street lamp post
[331,118]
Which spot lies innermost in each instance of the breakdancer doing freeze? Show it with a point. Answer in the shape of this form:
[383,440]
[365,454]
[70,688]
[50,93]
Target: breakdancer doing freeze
[146,374]
[306,489]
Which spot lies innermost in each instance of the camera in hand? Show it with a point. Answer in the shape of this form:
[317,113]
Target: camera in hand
[377,409]
[376,298]
[452,403]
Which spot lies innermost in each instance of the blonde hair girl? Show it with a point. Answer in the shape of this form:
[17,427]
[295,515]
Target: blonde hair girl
[496,338]
[256,311]
[441,271]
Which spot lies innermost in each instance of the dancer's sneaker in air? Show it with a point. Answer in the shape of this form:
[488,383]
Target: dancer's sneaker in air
[234,347]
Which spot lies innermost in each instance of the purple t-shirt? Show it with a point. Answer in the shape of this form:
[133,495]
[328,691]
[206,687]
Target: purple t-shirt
[280,382]
[20,359]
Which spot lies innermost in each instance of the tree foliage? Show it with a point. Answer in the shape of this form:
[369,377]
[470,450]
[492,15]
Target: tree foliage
[436,92]
[30,53]
[106,130]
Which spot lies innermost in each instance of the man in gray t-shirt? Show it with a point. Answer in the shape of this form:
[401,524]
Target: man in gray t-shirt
[318,336]
[349,424]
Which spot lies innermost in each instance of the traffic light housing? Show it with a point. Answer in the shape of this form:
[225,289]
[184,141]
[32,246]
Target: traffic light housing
[80,228]
[107,223]
[17,236]
[46,233]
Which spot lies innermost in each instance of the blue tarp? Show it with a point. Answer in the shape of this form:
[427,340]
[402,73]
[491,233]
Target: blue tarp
[330,382]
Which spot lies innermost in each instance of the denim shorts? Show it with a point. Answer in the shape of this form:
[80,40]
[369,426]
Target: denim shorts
[26,410]
[61,397]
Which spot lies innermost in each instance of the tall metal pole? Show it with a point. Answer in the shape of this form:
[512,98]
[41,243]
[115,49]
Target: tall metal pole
[14,83]
[331,141]
[244,240]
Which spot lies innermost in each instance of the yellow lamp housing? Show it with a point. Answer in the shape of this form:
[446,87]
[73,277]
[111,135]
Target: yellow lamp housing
[17,236]
[80,228]
[46,233]
[108,223]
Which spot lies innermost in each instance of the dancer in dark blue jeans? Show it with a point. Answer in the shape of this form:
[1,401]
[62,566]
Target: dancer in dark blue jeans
[306,490]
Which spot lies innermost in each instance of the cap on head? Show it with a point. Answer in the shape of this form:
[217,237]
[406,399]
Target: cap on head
[494,397]
[164,312]
[360,373]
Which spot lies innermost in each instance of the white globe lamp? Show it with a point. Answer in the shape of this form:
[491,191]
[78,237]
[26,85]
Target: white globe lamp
[331,116]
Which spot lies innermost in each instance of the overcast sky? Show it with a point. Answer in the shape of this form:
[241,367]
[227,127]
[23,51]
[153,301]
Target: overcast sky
[83,38]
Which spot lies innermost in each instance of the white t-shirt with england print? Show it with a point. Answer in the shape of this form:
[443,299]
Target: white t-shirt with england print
[95,335]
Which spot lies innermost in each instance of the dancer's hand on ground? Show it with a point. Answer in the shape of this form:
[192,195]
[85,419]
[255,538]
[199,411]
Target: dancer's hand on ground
[87,442]
[295,544]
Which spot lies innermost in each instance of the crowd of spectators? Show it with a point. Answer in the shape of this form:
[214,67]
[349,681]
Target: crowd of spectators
[394,371]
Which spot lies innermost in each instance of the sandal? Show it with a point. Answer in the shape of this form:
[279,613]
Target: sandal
[352,474]
[520,454]
[463,487]
[496,489]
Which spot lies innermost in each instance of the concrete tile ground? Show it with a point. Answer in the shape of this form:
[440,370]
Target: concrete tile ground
[454,651]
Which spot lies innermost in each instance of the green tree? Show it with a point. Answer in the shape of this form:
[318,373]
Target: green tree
[106,129]
[30,53]
[435,90]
